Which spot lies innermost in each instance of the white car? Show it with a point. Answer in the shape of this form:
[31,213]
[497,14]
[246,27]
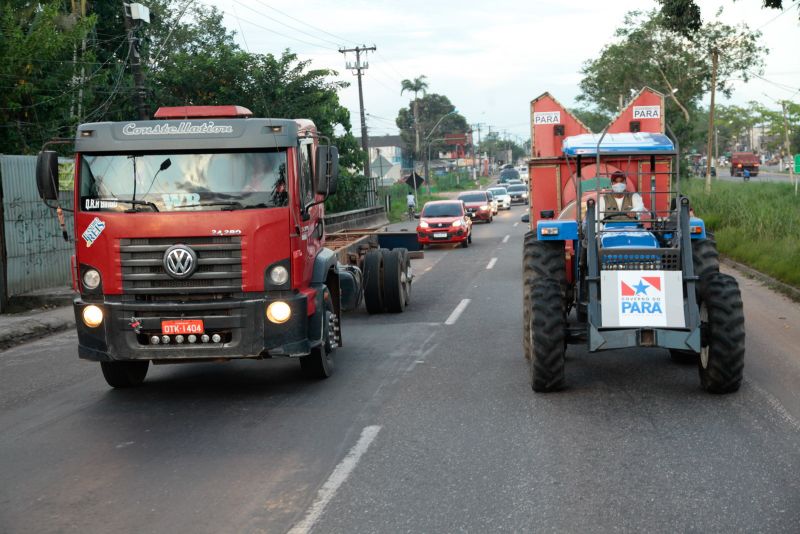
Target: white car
[501,195]
[523,173]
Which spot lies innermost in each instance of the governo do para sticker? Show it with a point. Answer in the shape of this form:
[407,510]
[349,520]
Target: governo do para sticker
[93,231]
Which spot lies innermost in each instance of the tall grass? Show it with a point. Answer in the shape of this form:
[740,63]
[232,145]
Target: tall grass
[755,223]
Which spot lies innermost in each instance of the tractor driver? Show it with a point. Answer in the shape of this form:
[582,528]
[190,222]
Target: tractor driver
[619,205]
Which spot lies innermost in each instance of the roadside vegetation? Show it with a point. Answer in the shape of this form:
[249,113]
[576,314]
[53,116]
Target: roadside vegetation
[439,184]
[757,224]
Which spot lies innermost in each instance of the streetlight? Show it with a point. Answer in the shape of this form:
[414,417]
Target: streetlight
[427,137]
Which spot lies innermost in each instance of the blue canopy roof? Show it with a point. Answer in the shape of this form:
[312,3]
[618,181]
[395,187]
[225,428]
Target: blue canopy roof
[618,143]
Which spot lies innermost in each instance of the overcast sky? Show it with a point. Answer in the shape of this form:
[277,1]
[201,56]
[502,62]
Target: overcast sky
[490,58]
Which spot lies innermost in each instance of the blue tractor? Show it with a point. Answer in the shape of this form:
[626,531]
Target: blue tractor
[614,271]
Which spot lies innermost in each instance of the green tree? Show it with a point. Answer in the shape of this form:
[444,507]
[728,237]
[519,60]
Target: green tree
[431,108]
[416,86]
[595,120]
[683,16]
[37,44]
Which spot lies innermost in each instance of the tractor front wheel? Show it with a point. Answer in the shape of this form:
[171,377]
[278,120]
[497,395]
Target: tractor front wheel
[547,335]
[721,361]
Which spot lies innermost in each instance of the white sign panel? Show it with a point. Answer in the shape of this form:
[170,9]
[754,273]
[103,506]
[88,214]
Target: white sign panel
[546,117]
[646,112]
[642,299]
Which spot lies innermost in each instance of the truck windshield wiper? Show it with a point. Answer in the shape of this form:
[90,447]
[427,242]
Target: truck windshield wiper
[229,205]
[135,203]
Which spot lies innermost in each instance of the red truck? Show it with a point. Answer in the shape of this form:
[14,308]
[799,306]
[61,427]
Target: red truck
[744,160]
[200,236]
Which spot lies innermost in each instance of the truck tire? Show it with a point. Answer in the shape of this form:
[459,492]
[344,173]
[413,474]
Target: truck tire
[373,281]
[124,374]
[540,259]
[319,363]
[721,361]
[408,274]
[705,257]
[394,281]
[547,327]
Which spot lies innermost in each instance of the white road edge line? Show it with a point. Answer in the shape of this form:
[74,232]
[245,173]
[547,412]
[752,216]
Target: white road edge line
[458,311]
[491,263]
[506,238]
[337,478]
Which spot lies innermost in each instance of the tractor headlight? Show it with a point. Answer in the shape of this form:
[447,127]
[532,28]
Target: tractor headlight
[279,275]
[278,312]
[92,316]
[91,279]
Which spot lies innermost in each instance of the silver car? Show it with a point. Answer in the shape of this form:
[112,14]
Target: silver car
[502,197]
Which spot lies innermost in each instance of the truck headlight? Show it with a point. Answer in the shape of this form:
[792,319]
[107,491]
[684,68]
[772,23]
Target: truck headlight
[92,316]
[91,279]
[278,312]
[279,275]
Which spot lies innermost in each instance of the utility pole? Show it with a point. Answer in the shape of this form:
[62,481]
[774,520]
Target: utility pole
[133,14]
[714,64]
[478,127]
[788,146]
[78,12]
[358,66]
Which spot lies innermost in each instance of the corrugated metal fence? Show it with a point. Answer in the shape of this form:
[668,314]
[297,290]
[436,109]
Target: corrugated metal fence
[37,257]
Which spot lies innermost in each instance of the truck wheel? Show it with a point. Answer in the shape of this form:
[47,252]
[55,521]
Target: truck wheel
[547,345]
[407,274]
[124,374]
[319,364]
[394,280]
[540,259]
[721,361]
[373,281]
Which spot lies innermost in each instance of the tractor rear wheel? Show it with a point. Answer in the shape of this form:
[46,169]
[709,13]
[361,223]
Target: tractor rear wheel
[540,259]
[705,257]
[547,333]
[721,361]
[373,281]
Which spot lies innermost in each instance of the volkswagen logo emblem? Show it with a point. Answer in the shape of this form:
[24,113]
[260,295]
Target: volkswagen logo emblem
[180,261]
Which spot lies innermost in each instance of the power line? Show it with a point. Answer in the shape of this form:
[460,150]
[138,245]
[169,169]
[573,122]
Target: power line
[289,25]
[276,32]
[342,39]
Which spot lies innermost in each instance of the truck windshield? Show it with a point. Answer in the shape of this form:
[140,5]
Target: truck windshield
[183,182]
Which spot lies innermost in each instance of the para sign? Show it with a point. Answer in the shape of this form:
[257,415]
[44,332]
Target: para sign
[546,117]
[646,112]
[642,298]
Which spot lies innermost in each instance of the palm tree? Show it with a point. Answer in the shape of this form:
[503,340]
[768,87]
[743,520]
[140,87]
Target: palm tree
[419,85]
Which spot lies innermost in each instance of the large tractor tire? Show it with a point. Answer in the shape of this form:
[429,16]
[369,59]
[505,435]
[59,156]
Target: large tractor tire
[373,281]
[319,364]
[721,361]
[124,374]
[540,259]
[705,257]
[547,332]
[395,280]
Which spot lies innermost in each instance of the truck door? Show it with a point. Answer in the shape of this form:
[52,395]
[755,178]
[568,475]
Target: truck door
[311,227]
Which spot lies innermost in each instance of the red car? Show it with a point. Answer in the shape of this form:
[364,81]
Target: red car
[444,221]
[478,205]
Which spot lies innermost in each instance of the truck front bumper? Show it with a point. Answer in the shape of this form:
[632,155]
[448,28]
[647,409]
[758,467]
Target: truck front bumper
[128,326]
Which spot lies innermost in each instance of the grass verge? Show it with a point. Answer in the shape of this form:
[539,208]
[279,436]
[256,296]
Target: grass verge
[754,223]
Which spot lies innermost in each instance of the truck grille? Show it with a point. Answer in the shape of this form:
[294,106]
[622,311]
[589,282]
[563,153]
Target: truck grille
[219,269]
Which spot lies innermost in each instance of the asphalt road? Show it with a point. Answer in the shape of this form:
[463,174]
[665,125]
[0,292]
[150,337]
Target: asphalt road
[428,425]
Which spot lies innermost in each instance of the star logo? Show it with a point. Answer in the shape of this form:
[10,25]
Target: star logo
[641,288]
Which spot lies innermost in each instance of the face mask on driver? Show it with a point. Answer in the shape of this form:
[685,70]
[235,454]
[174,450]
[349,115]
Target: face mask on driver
[618,188]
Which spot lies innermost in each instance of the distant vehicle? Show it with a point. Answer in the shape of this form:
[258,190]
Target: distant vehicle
[444,221]
[523,172]
[514,182]
[507,166]
[502,197]
[744,160]
[492,202]
[519,193]
[508,174]
[478,205]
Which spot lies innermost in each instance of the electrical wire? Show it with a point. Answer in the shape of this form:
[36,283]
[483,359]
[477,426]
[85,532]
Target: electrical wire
[276,32]
[336,44]
[340,38]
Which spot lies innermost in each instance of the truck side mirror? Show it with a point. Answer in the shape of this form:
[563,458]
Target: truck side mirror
[47,175]
[327,170]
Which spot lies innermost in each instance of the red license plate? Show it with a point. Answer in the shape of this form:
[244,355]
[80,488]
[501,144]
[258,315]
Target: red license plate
[183,326]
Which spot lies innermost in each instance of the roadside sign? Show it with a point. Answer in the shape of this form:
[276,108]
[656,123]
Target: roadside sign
[797,163]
